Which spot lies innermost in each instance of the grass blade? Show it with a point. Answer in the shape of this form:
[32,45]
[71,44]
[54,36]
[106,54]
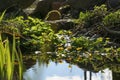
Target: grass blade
[2,16]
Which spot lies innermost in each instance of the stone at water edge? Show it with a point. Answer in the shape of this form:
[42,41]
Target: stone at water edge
[37,52]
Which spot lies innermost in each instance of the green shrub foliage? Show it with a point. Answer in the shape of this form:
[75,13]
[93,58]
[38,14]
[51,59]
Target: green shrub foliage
[112,19]
[92,17]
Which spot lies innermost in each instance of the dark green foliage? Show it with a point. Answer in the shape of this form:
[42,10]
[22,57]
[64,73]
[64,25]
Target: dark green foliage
[112,19]
[94,16]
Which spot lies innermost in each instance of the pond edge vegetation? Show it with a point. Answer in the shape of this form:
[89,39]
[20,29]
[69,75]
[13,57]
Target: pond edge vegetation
[34,34]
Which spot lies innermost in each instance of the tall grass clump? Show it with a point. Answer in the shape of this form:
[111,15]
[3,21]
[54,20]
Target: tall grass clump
[8,56]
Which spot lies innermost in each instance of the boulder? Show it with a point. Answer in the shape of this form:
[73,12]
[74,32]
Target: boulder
[44,6]
[113,3]
[84,4]
[62,24]
[89,4]
[5,4]
[56,5]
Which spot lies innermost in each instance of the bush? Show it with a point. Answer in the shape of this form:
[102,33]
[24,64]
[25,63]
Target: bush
[112,19]
[92,17]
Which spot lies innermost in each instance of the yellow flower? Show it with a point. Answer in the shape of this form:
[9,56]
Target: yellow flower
[59,45]
[69,48]
[107,39]
[60,48]
[70,32]
[100,39]
[79,48]
[90,54]
[79,58]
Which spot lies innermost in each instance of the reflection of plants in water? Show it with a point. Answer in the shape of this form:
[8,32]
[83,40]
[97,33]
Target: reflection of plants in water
[8,59]
[94,63]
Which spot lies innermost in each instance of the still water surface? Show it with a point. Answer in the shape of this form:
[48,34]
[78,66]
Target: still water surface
[62,71]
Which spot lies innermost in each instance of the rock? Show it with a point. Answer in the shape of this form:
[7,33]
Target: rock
[5,4]
[56,5]
[84,4]
[25,3]
[44,6]
[113,3]
[62,24]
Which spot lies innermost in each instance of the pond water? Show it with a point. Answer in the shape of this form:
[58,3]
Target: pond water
[64,71]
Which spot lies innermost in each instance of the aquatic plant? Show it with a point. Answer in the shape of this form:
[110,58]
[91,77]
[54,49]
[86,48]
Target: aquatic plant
[7,60]
[2,16]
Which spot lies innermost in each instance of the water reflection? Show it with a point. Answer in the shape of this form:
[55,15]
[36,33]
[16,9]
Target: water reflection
[63,71]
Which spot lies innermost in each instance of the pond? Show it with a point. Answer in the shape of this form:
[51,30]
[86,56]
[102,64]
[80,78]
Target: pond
[66,71]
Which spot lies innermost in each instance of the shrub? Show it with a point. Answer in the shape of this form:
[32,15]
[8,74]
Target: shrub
[112,19]
[92,17]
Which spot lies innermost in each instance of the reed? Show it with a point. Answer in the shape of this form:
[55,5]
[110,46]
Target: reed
[7,60]
[2,16]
